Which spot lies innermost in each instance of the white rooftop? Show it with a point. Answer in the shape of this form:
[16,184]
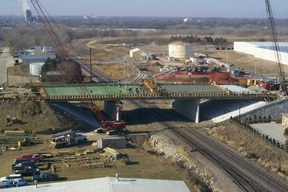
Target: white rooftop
[107,184]
[237,89]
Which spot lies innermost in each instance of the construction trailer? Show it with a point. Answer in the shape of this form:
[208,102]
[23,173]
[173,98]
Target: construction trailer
[112,142]
[67,138]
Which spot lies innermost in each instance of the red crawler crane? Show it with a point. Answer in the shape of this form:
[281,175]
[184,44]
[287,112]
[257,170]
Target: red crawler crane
[106,125]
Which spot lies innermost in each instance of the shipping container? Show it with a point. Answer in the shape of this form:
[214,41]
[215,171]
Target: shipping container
[112,142]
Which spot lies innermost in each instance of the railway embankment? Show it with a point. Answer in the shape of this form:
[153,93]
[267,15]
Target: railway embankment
[253,147]
[193,169]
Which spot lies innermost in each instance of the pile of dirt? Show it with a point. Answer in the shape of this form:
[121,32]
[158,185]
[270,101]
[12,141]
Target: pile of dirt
[222,78]
[36,116]
[182,77]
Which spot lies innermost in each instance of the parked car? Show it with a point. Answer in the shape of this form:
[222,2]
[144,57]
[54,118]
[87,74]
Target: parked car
[30,157]
[13,180]
[23,165]
[9,184]
[45,177]
[28,171]
[20,161]
[4,184]
[11,177]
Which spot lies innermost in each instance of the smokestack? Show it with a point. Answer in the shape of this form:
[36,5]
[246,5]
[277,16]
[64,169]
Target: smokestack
[28,16]
[25,5]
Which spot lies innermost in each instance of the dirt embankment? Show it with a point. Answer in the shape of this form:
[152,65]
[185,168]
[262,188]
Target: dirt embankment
[37,116]
[253,147]
[192,170]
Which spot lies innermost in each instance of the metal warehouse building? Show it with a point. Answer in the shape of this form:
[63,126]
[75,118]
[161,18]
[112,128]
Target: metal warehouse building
[108,184]
[264,50]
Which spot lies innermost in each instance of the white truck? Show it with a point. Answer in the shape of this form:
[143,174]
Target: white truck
[67,138]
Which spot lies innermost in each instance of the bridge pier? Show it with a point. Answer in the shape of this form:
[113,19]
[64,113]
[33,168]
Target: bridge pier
[187,108]
[111,107]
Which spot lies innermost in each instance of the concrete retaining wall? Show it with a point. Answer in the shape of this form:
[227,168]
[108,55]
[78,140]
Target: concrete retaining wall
[274,109]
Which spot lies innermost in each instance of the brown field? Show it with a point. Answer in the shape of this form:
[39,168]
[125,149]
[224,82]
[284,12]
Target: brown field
[144,165]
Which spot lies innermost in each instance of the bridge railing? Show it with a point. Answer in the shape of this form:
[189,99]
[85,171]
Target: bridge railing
[164,96]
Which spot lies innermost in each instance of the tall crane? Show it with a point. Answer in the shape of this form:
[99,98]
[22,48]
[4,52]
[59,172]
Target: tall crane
[106,124]
[281,73]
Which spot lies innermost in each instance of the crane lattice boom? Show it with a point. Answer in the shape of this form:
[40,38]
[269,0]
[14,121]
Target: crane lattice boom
[65,57]
[281,73]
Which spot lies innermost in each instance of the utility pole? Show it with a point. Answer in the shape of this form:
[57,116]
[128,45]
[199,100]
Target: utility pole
[7,77]
[90,64]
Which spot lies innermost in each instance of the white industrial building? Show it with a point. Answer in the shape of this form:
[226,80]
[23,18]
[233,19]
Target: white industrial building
[107,184]
[35,68]
[135,53]
[264,50]
[180,50]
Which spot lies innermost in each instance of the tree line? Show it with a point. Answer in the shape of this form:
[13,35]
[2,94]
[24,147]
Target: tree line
[196,39]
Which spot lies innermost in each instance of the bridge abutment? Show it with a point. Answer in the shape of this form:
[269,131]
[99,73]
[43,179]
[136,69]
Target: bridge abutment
[187,108]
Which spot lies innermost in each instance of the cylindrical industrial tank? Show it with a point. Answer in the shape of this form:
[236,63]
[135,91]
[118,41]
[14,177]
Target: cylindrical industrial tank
[35,68]
[181,50]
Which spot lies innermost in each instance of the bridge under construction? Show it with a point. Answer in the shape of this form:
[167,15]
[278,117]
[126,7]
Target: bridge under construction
[136,91]
[185,97]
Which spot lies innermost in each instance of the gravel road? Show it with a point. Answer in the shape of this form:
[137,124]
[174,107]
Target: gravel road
[6,60]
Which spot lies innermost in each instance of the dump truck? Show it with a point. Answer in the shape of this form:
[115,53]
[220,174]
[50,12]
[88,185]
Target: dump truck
[67,138]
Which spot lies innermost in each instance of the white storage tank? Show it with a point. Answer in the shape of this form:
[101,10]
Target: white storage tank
[181,50]
[35,68]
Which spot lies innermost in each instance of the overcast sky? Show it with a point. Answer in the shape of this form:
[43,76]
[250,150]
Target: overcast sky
[159,8]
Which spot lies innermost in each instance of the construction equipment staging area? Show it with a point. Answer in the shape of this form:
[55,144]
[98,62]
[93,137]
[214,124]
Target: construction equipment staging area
[185,97]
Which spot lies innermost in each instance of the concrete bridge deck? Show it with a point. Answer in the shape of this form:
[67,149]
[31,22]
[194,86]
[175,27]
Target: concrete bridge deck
[166,91]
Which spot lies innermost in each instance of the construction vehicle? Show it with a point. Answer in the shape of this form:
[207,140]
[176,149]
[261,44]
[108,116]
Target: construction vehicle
[29,140]
[270,85]
[282,77]
[67,138]
[62,53]
[112,126]
[150,83]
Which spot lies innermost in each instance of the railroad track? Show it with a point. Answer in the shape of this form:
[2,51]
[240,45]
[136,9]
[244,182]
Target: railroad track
[248,175]
[96,75]
[139,78]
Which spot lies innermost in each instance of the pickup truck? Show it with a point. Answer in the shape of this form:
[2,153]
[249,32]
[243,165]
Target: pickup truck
[28,171]
[30,157]
[45,177]
[18,166]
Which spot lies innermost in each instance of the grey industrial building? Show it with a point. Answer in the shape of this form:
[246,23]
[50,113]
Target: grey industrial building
[28,59]
[35,54]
